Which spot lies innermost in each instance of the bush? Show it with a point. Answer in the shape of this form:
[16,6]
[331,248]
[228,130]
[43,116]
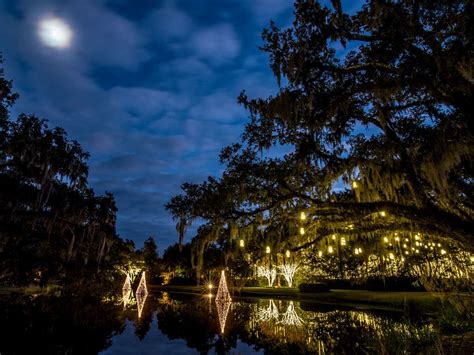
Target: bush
[313,287]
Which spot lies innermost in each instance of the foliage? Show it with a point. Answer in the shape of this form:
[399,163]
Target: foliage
[52,225]
[373,110]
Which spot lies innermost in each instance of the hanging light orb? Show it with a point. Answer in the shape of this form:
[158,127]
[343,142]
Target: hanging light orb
[330,250]
[267,250]
[241,243]
[287,253]
[302,231]
[302,216]
[355,185]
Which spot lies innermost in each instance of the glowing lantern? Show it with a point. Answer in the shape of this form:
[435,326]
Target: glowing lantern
[302,231]
[267,250]
[330,250]
[382,213]
[302,216]
[241,243]
[355,185]
[320,253]
[343,241]
[287,253]
[391,256]
[385,239]
[443,251]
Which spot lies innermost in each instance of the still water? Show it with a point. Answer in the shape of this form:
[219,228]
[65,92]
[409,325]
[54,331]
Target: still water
[187,324]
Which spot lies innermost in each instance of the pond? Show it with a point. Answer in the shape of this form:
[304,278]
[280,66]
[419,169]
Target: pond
[183,324]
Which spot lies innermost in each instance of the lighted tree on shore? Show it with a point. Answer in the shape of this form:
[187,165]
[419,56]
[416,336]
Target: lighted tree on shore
[379,100]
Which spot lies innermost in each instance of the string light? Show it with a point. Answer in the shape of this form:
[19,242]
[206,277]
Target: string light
[391,256]
[287,254]
[141,294]
[333,237]
[127,291]
[223,301]
[288,271]
[343,241]
[443,251]
[397,239]
[290,317]
[330,250]
[269,274]
[320,253]
[385,239]
[382,213]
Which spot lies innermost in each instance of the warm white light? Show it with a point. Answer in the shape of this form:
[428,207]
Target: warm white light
[354,185]
[343,241]
[385,239]
[443,251]
[267,250]
[333,237]
[241,243]
[397,239]
[54,32]
[391,256]
[330,249]
[302,231]
[382,213]
[303,216]
[320,253]
[287,253]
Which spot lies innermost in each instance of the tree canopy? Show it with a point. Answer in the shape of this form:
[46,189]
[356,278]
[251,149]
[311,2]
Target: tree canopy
[373,111]
[51,222]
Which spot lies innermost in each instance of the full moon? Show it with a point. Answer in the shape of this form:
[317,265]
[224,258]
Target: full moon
[54,32]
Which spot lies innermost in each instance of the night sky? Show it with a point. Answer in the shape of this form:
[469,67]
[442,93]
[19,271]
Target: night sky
[148,87]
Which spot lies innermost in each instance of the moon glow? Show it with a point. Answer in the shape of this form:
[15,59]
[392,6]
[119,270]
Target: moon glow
[54,32]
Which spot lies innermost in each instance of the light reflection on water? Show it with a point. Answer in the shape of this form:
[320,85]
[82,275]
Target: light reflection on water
[186,324]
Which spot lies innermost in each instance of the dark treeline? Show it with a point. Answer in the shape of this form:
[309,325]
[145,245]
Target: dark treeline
[52,224]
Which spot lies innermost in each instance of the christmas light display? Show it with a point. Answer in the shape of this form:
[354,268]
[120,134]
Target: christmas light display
[141,294]
[127,292]
[265,314]
[290,317]
[269,274]
[223,301]
[288,271]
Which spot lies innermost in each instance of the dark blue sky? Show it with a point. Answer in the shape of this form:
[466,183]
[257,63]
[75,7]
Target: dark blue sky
[148,87]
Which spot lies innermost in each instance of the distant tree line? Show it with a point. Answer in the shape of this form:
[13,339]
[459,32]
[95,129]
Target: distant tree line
[52,224]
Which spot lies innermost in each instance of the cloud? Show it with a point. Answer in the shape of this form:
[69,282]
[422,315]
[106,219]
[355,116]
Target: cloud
[216,44]
[152,98]
[169,23]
